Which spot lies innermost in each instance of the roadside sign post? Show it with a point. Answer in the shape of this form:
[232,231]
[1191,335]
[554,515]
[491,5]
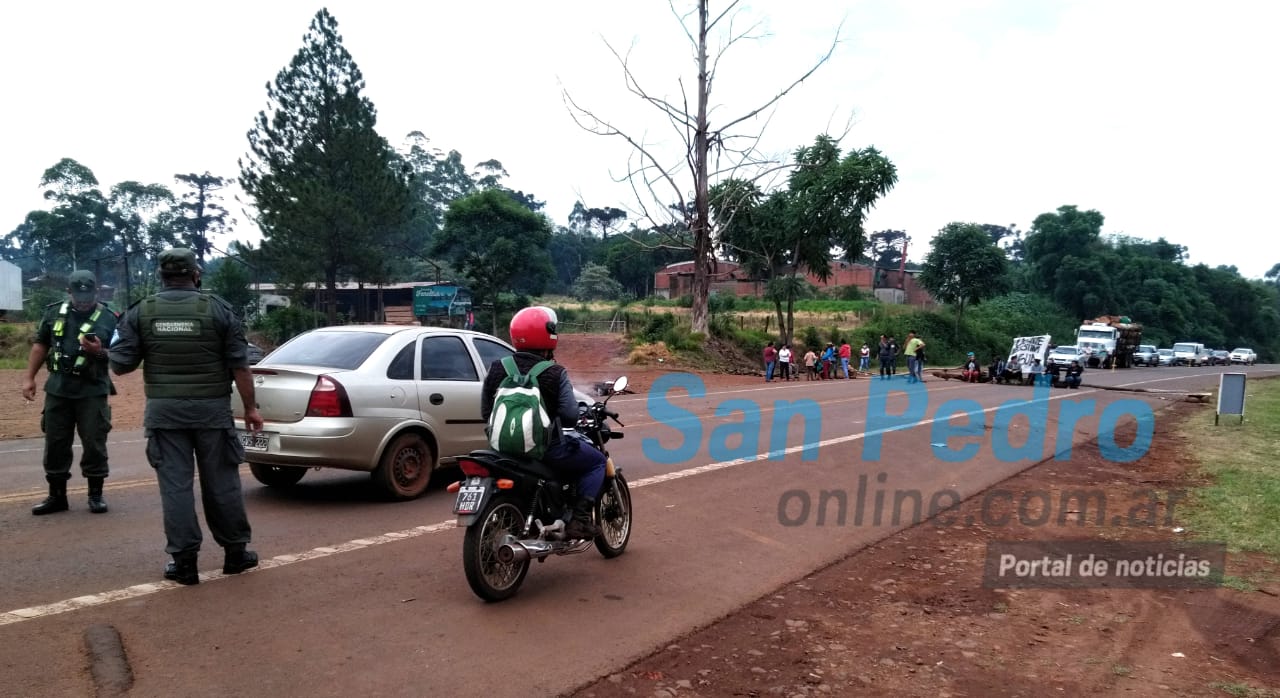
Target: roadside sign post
[1230,396]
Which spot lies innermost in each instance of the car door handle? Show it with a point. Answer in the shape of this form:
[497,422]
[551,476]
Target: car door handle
[436,398]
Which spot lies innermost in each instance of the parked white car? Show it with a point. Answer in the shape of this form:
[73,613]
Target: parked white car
[1242,355]
[1063,356]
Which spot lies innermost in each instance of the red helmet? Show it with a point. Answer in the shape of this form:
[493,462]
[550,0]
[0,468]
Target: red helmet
[534,328]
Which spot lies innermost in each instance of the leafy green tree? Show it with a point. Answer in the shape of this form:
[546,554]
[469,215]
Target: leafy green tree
[77,228]
[963,267]
[635,256]
[805,227]
[1055,237]
[201,210]
[596,283]
[231,279]
[497,244]
[570,251]
[585,219]
[140,215]
[332,198]
[1273,275]
[886,248]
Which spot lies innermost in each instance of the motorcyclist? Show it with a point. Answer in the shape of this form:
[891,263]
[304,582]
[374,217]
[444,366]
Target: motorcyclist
[569,454]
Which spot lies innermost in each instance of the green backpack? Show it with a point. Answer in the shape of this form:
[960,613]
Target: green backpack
[519,424]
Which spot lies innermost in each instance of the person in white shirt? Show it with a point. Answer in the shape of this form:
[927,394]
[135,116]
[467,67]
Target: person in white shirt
[784,362]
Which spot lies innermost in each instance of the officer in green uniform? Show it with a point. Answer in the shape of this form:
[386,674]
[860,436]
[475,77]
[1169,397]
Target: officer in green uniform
[191,346]
[71,341]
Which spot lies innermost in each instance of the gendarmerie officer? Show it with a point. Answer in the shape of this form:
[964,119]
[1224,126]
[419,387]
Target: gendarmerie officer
[71,341]
[192,346]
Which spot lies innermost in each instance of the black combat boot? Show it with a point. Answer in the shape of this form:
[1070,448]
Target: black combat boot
[238,559]
[581,526]
[55,502]
[97,504]
[183,569]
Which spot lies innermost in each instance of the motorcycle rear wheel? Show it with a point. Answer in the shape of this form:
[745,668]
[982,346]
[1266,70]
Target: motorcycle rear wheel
[613,513]
[490,579]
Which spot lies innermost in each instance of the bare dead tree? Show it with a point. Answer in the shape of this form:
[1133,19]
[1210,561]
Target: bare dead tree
[709,152]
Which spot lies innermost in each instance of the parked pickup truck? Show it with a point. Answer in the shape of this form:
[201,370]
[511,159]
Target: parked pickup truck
[1146,355]
[1243,356]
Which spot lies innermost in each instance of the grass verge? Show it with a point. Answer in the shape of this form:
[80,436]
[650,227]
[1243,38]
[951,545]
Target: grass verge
[1240,505]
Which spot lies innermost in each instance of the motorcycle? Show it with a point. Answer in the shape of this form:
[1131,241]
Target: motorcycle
[515,510]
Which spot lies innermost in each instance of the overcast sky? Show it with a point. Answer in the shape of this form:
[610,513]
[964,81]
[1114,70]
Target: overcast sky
[1162,115]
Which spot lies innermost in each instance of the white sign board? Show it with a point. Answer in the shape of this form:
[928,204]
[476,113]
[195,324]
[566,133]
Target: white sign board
[1230,395]
[10,286]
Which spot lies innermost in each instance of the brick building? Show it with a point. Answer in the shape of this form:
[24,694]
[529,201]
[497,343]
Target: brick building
[676,280]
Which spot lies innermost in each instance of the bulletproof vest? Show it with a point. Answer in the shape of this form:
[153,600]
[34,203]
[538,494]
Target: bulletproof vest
[184,353]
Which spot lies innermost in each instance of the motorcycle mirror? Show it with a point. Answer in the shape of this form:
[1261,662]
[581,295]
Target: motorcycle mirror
[620,384]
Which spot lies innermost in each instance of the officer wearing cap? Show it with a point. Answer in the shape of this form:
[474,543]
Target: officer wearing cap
[71,341]
[191,346]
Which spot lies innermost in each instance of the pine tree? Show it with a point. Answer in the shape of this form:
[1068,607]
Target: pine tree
[330,192]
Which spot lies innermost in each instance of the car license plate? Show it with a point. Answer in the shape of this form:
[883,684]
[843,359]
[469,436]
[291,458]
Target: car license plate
[254,440]
[469,498]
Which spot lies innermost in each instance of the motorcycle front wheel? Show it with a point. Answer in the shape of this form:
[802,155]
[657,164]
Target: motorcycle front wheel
[491,579]
[613,512]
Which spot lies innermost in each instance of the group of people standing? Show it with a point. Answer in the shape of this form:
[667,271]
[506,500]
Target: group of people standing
[830,363]
[889,351]
[191,347]
[836,362]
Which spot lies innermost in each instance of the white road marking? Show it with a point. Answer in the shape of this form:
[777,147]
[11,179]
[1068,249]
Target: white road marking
[25,614]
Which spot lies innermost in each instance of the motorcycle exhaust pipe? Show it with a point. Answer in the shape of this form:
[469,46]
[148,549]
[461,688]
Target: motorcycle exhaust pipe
[513,550]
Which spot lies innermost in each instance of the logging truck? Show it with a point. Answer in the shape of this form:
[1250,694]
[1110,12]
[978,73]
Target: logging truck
[1110,341]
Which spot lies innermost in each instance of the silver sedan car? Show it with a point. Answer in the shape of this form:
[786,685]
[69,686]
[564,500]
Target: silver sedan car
[396,401]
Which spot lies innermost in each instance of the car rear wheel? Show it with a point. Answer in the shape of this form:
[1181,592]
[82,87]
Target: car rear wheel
[406,467]
[277,475]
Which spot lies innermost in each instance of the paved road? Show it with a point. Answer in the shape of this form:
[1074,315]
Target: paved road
[357,596]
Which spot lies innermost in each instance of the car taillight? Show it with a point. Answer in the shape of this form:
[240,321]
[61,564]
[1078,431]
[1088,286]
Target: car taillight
[472,468]
[328,399]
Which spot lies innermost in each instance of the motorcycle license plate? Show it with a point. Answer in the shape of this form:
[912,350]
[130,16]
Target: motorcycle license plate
[469,498]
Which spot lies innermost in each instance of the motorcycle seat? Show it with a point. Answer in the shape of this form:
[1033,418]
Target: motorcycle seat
[533,467]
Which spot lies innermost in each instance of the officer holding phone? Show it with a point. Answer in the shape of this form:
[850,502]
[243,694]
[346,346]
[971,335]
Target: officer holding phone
[71,342]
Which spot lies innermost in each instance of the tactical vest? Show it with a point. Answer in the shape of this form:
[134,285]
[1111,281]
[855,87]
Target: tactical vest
[57,359]
[184,351]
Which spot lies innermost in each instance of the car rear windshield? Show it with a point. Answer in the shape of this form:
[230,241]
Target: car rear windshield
[1184,347]
[343,350]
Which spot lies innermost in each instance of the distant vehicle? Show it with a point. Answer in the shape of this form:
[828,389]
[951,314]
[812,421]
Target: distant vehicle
[1146,355]
[1166,357]
[1219,357]
[1243,355]
[1190,354]
[1063,356]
